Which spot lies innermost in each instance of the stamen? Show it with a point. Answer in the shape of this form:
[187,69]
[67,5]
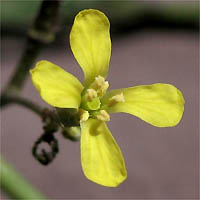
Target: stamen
[101,91]
[100,85]
[84,115]
[103,116]
[119,98]
[99,81]
[91,94]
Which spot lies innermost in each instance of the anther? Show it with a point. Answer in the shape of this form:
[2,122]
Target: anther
[101,91]
[84,115]
[119,98]
[91,94]
[100,85]
[99,81]
[103,116]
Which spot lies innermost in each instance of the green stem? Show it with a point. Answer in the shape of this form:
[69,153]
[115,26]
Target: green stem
[15,186]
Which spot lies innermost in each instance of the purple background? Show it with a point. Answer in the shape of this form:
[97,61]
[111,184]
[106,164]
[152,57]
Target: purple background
[161,162]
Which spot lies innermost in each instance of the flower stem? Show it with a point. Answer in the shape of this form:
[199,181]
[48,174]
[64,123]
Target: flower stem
[15,186]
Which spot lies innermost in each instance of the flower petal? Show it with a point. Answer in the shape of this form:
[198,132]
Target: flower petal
[101,158]
[161,105]
[90,43]
[56,86]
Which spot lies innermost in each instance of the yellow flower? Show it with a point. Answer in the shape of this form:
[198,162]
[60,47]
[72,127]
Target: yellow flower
[161,105]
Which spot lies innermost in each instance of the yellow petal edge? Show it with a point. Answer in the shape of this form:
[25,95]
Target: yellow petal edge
[90,43]
[101,158]
[56,86]
[160,104]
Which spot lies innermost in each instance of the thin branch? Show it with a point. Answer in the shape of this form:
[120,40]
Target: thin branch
[40,34]
[16,99]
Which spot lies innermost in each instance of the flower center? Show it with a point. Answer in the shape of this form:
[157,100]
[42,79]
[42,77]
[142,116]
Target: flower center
[91,101]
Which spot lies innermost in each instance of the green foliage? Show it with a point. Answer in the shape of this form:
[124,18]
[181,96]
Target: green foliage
[18,15]
[15,185]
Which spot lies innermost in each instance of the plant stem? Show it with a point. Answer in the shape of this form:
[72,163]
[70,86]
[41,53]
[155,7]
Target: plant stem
[40,34]
[11,99]
[15,186]
[31,51]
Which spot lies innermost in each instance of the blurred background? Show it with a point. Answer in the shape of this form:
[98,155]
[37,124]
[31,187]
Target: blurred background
[152,41]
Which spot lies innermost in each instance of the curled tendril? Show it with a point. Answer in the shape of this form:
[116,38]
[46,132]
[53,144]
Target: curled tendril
[50,127]
[68,120]
[43,156]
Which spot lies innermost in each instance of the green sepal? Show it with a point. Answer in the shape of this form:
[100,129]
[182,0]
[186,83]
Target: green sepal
[67,117]
[73,133]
